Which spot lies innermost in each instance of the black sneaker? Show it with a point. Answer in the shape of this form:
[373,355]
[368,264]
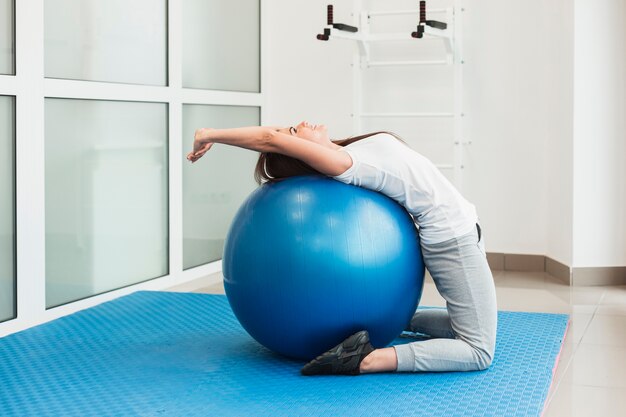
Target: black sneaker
[345,358]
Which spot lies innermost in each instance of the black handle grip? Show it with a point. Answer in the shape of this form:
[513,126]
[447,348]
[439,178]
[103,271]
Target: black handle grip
[419,34]
[347,28]
[437,25]
[325,36]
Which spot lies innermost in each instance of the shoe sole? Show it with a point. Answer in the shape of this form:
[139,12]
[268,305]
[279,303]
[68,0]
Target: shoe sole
[352,346]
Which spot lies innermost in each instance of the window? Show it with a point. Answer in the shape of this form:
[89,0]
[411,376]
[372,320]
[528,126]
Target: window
[7,37]
[106,40]
[221,45]
[7,208]
[106,196]
[214,187]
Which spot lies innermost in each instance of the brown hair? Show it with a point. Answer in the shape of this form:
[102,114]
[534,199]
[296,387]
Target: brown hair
[272,167]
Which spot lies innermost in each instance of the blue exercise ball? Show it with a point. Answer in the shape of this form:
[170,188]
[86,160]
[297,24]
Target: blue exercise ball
[309,260]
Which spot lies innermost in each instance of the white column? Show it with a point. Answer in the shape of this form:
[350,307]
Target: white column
[30,161]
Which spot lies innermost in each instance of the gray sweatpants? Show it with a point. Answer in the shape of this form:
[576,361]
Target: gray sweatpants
[463,334]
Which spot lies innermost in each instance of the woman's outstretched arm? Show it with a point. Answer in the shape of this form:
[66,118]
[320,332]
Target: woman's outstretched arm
[264,139]
[254,138]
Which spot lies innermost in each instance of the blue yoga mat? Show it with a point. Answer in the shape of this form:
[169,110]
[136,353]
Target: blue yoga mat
[173,354]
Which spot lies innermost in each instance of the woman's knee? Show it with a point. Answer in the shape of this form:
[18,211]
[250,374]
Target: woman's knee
[484,358]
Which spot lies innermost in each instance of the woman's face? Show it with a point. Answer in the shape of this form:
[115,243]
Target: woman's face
[313,133]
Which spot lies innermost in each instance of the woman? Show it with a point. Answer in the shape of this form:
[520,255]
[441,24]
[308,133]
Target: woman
[463,335]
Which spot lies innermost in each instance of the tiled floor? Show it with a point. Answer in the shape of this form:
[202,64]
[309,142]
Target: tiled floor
[591,377]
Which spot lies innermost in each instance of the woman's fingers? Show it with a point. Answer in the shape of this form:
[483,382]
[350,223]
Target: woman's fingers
[198,151]
[194,156]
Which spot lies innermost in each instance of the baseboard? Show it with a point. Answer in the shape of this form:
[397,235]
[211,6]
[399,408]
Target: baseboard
[566,274]
[599,276]
[198,283]
[558,270]
[588,276]
[516,262]
[496,261]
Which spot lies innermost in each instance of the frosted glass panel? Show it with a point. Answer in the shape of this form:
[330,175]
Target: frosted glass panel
[216,185]
[7,37]
[221,42]
[7,208]
[113,40]
[106,196]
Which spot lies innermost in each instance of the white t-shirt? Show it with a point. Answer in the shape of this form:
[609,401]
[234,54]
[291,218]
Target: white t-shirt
[383,163]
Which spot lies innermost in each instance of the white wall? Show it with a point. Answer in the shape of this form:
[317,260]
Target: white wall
[307,79]
[557,94]
[599,133]
[508,63]
[540,166]
[507,119]
[419,89]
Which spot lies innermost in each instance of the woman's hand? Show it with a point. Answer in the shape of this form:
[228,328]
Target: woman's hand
[201,144]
